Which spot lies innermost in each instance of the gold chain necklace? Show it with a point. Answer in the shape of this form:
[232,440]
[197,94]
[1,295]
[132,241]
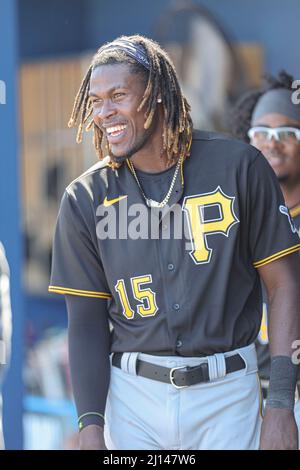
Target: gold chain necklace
[151,202]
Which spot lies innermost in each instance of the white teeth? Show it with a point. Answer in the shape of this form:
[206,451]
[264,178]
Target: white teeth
[110,130]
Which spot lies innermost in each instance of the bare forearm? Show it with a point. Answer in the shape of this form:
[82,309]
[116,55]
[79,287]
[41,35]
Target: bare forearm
[284,320]
[282,281]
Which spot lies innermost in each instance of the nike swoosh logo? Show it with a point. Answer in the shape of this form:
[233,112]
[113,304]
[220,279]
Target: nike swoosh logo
[107,203]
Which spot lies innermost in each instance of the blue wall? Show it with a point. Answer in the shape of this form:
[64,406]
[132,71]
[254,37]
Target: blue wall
[47,28]
[273,23]
[67,26]
[10,228]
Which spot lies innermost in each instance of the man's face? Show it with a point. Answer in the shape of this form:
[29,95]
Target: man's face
[116,93]
[284,157]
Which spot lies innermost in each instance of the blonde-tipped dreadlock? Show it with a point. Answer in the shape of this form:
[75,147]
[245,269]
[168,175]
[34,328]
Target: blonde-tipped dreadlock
[162,82]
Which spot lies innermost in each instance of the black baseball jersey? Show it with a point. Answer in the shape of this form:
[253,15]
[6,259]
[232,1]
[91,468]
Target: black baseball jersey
[262,343]
[192,288]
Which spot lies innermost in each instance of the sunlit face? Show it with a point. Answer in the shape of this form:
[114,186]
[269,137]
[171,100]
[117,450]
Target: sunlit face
[284,157]
[116,94]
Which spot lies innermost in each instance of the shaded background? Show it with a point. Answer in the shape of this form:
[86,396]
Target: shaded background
[45,47]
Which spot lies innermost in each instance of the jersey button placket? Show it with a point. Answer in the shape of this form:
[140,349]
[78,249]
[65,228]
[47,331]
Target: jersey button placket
[176,306]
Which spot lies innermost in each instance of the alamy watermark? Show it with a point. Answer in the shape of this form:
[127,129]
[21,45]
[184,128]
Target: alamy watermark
[2,92]
[296,93]
[296,353]
[2,353]
[136,221]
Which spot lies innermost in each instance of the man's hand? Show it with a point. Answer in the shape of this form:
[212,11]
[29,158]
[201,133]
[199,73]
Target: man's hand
[92,438]
[279,430]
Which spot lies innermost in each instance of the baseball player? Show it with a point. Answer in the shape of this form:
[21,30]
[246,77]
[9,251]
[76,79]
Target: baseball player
[270,119]
[165,239]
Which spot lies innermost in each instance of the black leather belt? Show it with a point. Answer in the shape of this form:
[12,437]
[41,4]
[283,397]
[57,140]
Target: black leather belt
[183,376]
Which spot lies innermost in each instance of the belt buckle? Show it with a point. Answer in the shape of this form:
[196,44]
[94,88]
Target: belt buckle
[172,377]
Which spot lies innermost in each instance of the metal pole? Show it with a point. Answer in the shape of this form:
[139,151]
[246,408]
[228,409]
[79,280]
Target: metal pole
[10,215]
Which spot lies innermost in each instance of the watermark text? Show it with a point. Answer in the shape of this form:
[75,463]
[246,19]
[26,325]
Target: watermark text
[296,93]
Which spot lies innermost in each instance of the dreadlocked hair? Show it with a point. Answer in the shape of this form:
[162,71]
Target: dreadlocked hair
[241,114]
[160,81]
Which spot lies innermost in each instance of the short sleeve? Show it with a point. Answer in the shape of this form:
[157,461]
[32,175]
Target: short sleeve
[76,265]
[272,231]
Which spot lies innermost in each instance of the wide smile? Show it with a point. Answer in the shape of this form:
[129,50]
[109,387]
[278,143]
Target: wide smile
[116,133]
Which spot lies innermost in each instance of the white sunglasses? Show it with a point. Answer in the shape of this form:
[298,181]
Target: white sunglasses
[281,134]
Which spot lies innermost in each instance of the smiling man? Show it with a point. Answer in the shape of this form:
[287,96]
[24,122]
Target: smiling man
[270,119]
[177,370]
[126,135]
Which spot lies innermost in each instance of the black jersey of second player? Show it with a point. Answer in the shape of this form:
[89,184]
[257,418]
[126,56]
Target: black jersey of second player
[194,295]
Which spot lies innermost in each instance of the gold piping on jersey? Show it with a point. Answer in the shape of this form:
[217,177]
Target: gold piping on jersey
[127,163]
[278,255]
[295,210]
[183,160]
[82,293]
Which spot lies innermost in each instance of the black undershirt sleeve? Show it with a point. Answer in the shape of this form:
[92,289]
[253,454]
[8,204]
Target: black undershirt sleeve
[89,348]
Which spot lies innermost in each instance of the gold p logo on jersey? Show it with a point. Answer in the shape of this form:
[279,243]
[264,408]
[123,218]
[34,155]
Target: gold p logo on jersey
[200,227]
